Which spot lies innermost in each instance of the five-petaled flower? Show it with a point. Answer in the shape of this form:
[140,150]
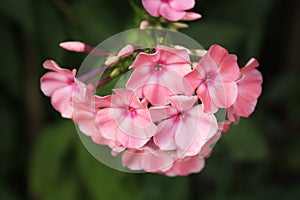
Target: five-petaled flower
[160,73]
[214,78]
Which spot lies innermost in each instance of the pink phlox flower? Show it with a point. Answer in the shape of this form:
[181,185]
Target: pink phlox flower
[186,127]
[126,120]
[172,10]
[159,75]
[214,78]
[249,89]
[60,84]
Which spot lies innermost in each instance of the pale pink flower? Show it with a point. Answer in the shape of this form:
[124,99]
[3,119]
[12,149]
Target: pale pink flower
[186,129]
[126,120]
[148,158]
[60,84]
[159,75]
[186,166]
[172,10]
[214,77]
[249,89]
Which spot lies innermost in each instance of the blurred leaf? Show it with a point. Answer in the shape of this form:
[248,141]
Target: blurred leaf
[154,186]
[49,171]
[19,12]
[96,26]
[50,30]
[9,75]
[225,34]
[103,182]
[245,142]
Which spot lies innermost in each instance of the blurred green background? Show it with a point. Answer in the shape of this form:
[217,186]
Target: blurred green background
[42,157]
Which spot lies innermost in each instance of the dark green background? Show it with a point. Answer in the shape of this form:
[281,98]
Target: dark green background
[42,156]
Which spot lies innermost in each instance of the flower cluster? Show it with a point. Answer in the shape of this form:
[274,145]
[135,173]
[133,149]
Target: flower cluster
[164,119]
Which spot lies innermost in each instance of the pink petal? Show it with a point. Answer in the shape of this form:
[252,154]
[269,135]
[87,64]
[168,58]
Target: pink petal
[244,108]
[101,102]
[107,126]
[170,13]
[183,103]
[139,77]
[164,138]
[156,160]
[250,85]
[191,81]
[252,64]
[152,6]
[159,113]
[161,94]
[52,65]
[130,142]
[229,68]
[190,16]
[217,54]
[182,4]
[61,100]
[53,81]
[204,95]
[177,59]
[132,159]
[194,130]
[144,59]
[223,95]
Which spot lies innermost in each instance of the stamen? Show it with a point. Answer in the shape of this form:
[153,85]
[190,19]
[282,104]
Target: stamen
[158,66]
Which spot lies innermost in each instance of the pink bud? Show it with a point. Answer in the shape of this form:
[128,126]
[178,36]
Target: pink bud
[126,51]
[190,16]
[76,46]
[144,24]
